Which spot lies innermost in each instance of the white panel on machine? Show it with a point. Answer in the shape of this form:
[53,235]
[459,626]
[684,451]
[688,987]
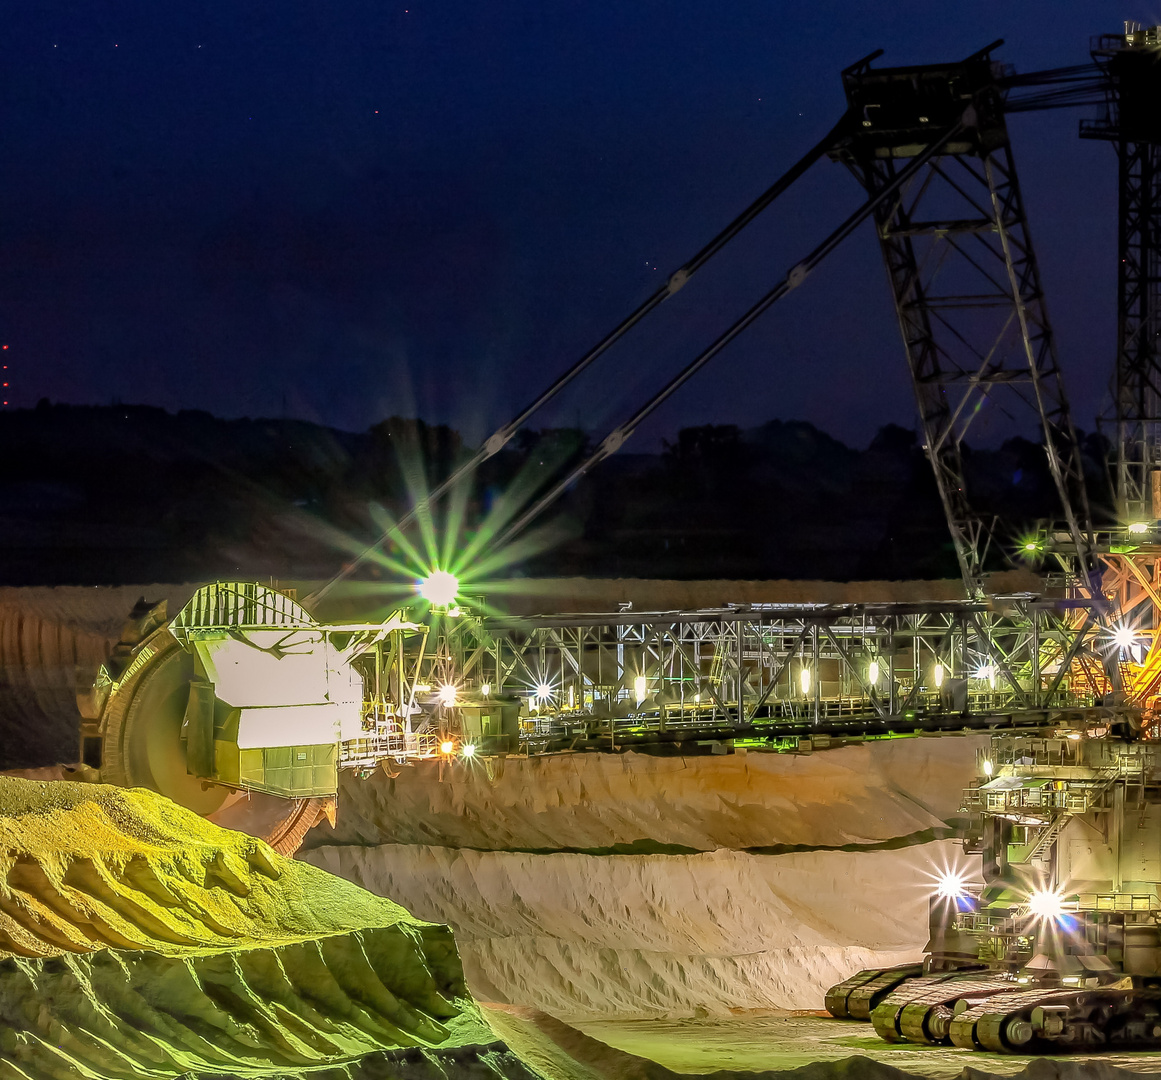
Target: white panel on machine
[267,668]
[297,725]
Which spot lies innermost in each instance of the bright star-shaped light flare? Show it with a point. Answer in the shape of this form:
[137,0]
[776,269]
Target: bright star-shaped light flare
[950,885]
[1047,904]
[439,588]
[1124,637]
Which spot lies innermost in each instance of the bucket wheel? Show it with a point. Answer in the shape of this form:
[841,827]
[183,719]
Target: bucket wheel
[141,728]
[141,747]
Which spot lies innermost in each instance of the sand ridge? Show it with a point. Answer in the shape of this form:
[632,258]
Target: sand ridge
[583,936]
[138,940]
[862,794]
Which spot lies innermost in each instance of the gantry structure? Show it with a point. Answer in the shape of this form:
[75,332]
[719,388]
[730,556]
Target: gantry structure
[930,147]
[770,675]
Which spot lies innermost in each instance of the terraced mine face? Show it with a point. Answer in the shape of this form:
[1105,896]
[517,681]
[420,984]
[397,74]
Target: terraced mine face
[614,886]
[137,940]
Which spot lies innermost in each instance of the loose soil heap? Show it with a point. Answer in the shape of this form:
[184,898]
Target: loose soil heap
[137,940]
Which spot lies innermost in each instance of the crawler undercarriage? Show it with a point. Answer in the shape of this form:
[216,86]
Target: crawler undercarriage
[1060,948]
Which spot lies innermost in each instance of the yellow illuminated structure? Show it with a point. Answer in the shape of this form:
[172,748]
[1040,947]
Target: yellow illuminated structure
[241,691]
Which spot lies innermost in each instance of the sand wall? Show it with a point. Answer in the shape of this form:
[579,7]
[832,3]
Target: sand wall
[592,885]
[877,792]
[52,640]
[583,936]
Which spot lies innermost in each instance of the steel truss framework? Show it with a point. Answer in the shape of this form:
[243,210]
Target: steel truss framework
[966,286]
[1131,124]
[773,670]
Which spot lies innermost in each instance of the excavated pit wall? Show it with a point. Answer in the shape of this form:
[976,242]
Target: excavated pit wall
[592,885]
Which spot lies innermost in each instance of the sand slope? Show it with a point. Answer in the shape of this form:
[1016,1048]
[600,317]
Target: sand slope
[593,885]
[582,936]
[138,940]
[866,794]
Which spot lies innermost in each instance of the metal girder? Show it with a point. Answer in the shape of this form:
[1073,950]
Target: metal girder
[966,286]
[777,668]
[1138,371]
[1132,84]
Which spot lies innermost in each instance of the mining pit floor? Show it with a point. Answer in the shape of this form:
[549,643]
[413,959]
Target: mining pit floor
[778,1043]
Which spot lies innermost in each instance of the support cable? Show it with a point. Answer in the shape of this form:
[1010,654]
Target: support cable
[496,442]
[797,274]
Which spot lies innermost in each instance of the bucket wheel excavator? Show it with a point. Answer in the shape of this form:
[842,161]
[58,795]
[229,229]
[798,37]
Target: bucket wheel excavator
[244,707]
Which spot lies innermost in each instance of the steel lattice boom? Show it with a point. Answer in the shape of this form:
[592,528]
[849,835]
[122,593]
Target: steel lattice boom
[759,671]
[965,282]
[1132,123]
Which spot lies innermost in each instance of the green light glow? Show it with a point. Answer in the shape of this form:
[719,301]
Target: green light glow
[439,588]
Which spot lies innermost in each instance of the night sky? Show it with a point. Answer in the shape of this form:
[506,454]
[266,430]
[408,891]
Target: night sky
[341,211]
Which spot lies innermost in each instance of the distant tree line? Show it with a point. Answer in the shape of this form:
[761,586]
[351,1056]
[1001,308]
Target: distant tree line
[117,494]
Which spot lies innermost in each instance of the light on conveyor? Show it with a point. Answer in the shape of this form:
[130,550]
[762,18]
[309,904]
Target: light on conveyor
[439,588]
[1046,904]
[950,885]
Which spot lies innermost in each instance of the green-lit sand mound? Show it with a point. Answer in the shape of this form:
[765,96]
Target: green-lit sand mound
[138,940]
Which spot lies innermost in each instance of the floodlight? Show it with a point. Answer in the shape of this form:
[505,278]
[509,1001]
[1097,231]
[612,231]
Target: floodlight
[804,680]
[1046,904]
[1123,637]
[486,689]
[1139,527]
[938,675]
[950,885]
[544,691]
[447,746]
[989,768]
[640,688]
[873,672]
[439,588]
[447,695]
[468,750]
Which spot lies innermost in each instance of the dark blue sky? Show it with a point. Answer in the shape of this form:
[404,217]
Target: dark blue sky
[347,210]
